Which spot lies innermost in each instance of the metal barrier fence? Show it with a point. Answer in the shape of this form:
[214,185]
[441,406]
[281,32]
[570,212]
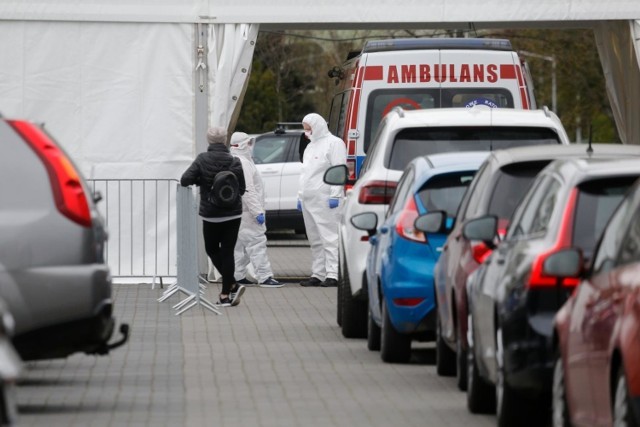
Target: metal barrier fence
[140,216]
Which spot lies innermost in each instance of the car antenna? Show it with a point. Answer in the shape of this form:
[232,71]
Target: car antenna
[590,148]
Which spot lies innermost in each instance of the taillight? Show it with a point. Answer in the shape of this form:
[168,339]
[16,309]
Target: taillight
[537,279]
[407,302]
[66,184]
[377,192]
[406,220]
[480,251]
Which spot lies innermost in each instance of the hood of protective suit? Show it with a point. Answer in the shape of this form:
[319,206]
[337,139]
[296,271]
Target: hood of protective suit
[241,145]
[318,126]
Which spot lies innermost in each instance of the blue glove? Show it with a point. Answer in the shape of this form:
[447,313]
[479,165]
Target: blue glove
[333,203]
[299,207]
[260,219]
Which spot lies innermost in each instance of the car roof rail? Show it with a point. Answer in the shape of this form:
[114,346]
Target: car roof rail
[281,127]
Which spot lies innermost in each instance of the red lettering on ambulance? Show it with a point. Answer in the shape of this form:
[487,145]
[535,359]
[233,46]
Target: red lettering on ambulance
[393,75]
[452,74]
[425,73]
[492,71]
[441,73]
[465,75]
[408,74]
[478,72]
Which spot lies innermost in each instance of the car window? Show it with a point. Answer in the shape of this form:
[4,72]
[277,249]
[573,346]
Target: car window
[630,249]
[401,194]
[382,101]
[479,176]
[612,236]
[511,184]
[492,97]
[597,199]
[373,148]
[444,192]
[271,149]
[525,213]
[410,143]
[544,209]
[338,113]
[475,193]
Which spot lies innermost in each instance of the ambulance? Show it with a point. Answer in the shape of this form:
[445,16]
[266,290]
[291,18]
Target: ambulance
[418,74]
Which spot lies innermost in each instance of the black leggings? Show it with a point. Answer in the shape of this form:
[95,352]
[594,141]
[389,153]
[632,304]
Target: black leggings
[219,242]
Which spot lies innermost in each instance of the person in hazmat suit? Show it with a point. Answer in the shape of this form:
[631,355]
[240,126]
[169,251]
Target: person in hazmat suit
[251,245]
[320,202]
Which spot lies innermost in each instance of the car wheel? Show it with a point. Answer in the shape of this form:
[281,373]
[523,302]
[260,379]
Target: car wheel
[481,396]
[394,346]
[622,410]
[512,409]
[560,410]
[373,334]
[461,361]
[445,357]
[354,312]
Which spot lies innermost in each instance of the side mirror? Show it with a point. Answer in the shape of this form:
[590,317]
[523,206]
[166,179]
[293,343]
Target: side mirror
[564,263]
[336,175]
[484,229]
[432,222]
[366,221]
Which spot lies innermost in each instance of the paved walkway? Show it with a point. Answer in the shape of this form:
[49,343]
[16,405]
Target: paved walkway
[278,359]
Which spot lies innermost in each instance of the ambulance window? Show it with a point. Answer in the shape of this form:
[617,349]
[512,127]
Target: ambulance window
[382,101]
[465,98]
[338,113]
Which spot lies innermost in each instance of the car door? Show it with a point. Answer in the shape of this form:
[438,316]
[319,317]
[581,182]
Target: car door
[270,156]
[291,170]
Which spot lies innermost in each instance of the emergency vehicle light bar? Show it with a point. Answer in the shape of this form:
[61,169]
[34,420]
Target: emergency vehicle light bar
[436,43]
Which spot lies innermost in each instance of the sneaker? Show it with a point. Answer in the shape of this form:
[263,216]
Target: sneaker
[271,283]
[245,281]
[224,302]
[312,281]
[329,283]
[236,295]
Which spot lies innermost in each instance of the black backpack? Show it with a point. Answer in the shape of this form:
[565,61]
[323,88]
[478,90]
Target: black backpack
[225,190]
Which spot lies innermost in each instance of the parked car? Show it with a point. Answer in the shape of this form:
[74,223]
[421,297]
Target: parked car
[497,189]
[10,368]
[278,158]
[513,302]
[401,259]
[402,136]
[596,380]
[53,276]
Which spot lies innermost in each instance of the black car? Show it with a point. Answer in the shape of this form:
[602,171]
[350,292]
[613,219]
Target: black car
[513,300]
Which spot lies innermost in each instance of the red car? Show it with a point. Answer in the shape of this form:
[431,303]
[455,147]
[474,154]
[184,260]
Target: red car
[596,378]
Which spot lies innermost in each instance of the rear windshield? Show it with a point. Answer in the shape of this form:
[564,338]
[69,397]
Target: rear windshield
[410,143]
[512,183]
[444,192]
[381,101]
[597,200]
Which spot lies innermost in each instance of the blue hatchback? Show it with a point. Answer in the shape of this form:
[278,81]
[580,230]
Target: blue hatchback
[401,258]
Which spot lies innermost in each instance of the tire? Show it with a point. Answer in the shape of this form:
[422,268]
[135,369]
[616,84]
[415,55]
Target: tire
[512,408]
[461,361]
[373,333]
[481,396]
[445,357]
[8,406]
[394,346]
[560,410]
[621,408]
[354,312]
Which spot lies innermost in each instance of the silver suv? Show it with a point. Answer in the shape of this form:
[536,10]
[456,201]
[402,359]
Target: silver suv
[52,272]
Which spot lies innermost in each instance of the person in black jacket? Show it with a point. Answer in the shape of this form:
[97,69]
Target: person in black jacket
[220,224]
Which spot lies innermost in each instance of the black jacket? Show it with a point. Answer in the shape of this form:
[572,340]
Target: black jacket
[202,172]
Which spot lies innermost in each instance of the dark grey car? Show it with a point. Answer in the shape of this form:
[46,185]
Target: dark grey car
[52,271]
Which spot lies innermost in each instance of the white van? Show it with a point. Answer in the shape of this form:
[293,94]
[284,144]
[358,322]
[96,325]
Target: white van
[422,73]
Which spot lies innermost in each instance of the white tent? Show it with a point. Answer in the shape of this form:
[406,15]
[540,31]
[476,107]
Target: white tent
[129,88]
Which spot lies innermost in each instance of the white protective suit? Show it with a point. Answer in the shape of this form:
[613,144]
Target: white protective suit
[324,150]
[251,245]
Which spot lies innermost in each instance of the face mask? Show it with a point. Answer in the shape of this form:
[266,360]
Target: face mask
[307,133]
